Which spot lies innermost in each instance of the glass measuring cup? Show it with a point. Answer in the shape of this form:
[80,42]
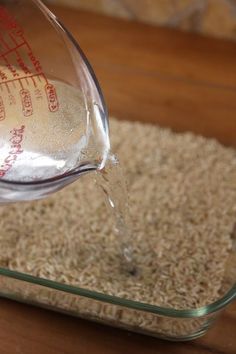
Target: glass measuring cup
[53,120]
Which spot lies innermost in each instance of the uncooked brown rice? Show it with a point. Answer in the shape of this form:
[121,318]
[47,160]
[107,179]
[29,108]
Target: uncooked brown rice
[182,191]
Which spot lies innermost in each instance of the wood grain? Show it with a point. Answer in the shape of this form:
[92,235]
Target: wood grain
[158,75]
[28,330]
[147,74]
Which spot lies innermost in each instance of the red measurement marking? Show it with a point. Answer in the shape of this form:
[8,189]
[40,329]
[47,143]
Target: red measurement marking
[8,23]
[6,84]
[38,94]
[3,55]
[27,45]
[12,100]
[6,20]
[45,78]
[53,104]
[13,39]
[21,85]
[32,78]
[4,42]
[3,76]
[22,65]
[26,102]
[35,62]
[15,31]
[2,110]
[15,150]
[16,34]
[10,67]
[18,79]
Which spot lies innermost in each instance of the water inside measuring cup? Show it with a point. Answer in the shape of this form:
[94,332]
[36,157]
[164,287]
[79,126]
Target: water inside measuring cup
[37,144]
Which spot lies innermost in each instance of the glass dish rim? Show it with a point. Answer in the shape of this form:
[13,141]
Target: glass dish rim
[118,301]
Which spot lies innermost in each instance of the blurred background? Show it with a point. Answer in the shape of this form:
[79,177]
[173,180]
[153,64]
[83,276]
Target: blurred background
[211,17]
[170,62]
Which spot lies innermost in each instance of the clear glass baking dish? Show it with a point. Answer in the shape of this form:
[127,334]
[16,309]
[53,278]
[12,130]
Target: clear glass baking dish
[168,323]
[165,323]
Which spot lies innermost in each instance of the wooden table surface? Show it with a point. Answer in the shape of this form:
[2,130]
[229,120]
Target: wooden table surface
[147,74]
